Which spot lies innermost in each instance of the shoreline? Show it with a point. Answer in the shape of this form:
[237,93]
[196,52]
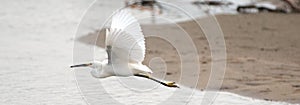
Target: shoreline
[261,62]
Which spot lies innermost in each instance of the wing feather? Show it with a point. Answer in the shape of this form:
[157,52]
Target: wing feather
[126,38]
[123,46]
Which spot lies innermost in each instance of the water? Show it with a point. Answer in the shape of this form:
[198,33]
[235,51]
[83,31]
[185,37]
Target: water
[36,48]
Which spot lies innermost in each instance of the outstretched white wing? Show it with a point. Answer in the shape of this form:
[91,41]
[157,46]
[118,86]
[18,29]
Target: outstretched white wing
[125,39]
[125,21]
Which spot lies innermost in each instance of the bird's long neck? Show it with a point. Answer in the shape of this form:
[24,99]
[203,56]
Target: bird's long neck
[98,72]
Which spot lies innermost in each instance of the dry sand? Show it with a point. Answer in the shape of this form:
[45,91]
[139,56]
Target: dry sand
[263,58]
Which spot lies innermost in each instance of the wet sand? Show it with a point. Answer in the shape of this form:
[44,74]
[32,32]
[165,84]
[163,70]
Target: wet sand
[263,58]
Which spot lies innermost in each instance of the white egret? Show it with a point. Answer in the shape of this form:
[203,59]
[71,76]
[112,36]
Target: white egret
[125,47]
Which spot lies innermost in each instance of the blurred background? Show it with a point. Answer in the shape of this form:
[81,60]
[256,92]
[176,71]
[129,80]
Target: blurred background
[38,36]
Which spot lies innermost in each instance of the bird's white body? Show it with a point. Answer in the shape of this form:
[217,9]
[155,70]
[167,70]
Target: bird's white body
[125,46]
[103,69]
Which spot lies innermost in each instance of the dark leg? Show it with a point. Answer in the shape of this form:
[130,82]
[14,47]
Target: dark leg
[172,84]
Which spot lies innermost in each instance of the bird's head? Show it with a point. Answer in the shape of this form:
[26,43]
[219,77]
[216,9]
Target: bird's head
[94,65]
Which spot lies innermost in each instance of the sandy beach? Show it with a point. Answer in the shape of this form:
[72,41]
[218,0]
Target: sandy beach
[38,46]
[262,54]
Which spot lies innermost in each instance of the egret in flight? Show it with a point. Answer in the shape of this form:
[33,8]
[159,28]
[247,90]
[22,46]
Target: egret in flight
[125,47]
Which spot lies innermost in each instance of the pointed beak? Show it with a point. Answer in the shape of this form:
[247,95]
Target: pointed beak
[81,65]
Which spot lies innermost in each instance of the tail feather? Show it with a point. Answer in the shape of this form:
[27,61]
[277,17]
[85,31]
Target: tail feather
[140,67]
